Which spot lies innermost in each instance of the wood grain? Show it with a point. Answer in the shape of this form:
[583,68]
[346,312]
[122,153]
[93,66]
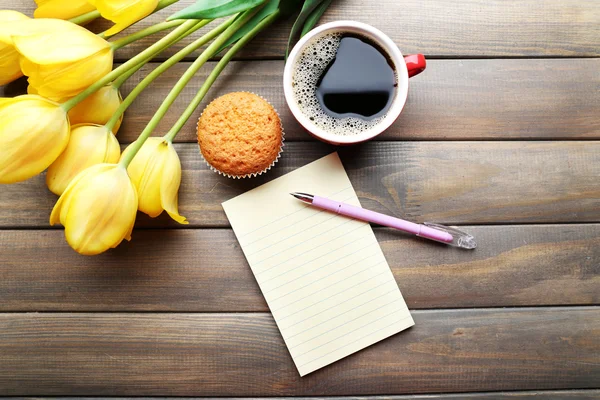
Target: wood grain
[445,182]
[205,271]
[452,100]
[533,395]
[244,355]
[472,28]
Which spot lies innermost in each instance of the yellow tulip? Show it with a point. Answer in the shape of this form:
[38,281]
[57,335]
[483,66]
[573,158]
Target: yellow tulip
[89,145]
[33,133]
[9,57]
[32,90]
[123,12]
[62,62]
[61,9]
[156,173]
[97,209]
[98,108]
[16,24]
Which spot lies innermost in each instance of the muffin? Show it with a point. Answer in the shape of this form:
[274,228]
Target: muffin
[240,135]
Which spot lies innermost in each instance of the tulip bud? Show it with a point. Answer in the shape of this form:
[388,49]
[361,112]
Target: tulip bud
[33,133]
[89,145]
[123,12]
[10,69]
[61,63]
[156,173]
[97,209]
[98,108]
[61,9]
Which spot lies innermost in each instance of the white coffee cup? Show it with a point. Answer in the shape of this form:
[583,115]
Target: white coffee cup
[405,67]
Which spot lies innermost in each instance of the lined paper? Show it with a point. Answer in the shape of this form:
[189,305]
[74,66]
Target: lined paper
[323,275]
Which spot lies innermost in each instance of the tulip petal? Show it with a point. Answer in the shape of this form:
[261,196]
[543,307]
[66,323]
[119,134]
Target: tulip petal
[62,9]
[30,26]
[99,209]
[66,80]
[169,185]
[9,64]
[10,15]
[144,171]
[56,216]
[123,12]
[33,133]
[98,108]
[9,56]
[89,145]
[61,46]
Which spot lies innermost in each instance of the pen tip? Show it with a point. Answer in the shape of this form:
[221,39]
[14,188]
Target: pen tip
[307,198]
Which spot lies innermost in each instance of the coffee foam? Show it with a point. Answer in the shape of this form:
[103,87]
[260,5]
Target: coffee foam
[310,65]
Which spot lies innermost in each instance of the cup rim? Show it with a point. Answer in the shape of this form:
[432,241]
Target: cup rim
[378,37]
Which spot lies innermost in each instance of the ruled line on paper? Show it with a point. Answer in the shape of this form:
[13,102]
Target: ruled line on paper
[351,276]
[312,249]
[333,284]
[348,220]
[298,232]
[314,213]
[370,323]
[359,339]
[264,281]
[326,276]
[323,276]
[285,216]
[341,314]
[342,291]
[327,298]
[343,324]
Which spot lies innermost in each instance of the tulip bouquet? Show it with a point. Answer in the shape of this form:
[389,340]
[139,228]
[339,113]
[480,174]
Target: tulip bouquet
[68,120]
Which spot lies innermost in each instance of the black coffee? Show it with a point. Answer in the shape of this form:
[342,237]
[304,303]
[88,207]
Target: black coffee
[344,83]
[358,82]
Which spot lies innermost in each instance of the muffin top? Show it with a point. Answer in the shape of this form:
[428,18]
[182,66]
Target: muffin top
[239,134]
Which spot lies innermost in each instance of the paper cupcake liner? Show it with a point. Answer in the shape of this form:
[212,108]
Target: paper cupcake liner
[254,174]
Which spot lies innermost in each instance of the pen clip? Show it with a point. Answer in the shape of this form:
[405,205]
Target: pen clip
[459,238]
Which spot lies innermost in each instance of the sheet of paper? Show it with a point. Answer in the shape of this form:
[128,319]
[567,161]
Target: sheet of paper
[323,275]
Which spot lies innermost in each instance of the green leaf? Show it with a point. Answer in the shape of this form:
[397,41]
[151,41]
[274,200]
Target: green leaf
[289,7]
[210,9]
[307,9]
[315,16]
[268,9]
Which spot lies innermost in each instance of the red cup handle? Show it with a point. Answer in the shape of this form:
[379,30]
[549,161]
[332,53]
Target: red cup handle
[415,63]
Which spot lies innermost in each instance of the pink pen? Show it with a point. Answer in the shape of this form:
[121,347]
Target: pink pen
[439,233]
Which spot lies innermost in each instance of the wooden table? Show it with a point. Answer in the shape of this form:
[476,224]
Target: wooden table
[500,135]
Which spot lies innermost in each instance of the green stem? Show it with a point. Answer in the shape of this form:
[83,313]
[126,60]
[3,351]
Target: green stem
[117,83]
[124,41]
[187,113]
[163,4]
[150,52]
[85,18]
[185,78]
[163,67]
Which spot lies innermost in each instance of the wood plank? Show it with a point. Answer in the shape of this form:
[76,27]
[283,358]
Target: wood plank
[205,271]
[533,395]
[453,100]
[446,182]
[244,355]
[472,28]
